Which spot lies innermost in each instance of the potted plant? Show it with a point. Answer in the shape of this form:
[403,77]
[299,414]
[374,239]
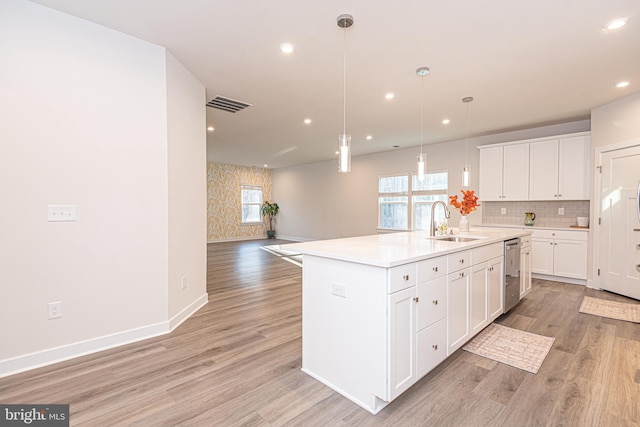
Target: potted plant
[269,211]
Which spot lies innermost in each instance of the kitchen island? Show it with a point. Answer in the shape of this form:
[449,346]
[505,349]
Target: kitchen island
[379,312]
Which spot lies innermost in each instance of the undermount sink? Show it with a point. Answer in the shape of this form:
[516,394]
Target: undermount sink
[458,239]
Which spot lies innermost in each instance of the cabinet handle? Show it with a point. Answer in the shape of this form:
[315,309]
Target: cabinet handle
[435,302]
[416,299]
[462,261]
[435,269]
[405,277]
[435,346]
[638,267]
[462,274]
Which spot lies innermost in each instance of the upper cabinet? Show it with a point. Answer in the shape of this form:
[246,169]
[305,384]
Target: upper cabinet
[504,172]
[554,168]
[559,169]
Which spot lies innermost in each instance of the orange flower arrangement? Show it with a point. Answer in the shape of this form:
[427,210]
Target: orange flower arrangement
[469,202]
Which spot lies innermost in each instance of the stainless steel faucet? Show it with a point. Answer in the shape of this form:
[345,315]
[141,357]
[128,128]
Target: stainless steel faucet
[433,226]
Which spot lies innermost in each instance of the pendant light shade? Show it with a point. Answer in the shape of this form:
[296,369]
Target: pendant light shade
[466,170]
[422,157]
[344,141]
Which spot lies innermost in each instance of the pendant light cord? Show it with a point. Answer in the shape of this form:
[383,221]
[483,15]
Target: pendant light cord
[466,137]
[344,85]
[421,109]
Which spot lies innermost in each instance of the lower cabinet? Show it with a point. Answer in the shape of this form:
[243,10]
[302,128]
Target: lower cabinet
[402,372]
[431,347]
[559,253]
[458,332]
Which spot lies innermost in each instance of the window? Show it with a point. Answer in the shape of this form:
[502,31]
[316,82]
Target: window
[403,200]
[251,202]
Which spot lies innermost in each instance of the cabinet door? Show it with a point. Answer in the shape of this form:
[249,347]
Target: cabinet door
[432,302]
[495,278]
[542,255]
[431,347]
[573,168]
[515,178]
[479,313]
[543,176]
[457,309]
[401,335]
[570,258]
[525,270]
[490,185]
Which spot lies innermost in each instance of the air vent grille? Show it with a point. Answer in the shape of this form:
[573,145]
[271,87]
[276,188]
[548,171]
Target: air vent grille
[227,104]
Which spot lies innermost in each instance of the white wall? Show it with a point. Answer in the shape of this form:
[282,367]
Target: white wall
[612,123]
[317,202]
[84,113]
[187,162]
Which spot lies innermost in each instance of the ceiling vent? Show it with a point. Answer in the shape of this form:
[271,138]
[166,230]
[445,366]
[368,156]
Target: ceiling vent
[227,104]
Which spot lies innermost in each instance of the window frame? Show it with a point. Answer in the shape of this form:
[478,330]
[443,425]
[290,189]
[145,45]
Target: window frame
[244,187]
[410,194]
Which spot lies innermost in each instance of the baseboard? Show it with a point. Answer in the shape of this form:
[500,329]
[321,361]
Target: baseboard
[559,279]
[293,239]
[237,239]
[82,348]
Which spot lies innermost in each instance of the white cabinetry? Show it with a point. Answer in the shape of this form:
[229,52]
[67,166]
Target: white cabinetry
[458,281]
[559,169]
[431,313]
[559,253]
[402,335]
[486,301]
[504,172]
[525,266]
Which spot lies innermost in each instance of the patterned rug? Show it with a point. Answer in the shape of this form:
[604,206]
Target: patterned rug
[522,350]
[611,309]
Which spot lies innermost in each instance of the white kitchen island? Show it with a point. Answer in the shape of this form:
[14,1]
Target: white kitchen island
[379,312]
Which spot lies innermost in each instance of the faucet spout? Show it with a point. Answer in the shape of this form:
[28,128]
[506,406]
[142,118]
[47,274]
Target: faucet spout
[433,225]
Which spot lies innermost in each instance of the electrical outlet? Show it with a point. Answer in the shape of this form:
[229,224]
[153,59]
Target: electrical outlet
[503,211]
[55,310]
[184,282]
[560,211]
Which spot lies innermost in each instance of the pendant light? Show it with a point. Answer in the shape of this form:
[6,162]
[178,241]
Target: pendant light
[466,171]
[422,157]
[344,141]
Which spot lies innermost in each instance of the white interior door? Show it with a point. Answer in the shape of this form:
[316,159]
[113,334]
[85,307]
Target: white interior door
[619,252]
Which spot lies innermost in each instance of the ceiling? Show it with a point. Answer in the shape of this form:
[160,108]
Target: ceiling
[525,63]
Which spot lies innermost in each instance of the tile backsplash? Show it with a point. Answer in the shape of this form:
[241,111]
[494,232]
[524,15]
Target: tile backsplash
[546,212]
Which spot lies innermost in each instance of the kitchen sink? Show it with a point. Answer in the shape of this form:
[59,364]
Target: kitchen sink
[458,239]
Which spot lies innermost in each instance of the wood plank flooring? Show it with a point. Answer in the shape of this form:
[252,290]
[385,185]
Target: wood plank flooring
[237,362]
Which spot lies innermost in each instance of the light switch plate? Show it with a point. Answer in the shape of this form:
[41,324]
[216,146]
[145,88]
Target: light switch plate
[560,211]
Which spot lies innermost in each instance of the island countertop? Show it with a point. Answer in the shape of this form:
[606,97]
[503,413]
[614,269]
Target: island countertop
[393,249]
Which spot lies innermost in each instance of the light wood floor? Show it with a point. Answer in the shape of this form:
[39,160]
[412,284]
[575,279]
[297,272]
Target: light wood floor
[237,362]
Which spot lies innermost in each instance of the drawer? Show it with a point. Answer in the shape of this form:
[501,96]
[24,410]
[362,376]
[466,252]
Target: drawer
[432,269]
[458,261]
[525,240]
[432,302]
[401,277]
[560,234]
[485,253]
[431,347]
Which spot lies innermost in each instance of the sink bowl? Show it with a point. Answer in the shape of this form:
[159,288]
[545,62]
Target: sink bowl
[458,239]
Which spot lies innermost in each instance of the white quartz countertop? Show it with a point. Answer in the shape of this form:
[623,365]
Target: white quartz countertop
[393,249]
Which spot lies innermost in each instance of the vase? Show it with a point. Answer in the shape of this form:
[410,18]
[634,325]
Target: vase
[464,224]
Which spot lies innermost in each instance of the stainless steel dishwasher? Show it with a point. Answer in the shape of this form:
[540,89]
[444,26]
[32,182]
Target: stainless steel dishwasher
[511,273]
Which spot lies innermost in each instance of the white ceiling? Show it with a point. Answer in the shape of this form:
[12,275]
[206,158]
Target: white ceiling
[525,63]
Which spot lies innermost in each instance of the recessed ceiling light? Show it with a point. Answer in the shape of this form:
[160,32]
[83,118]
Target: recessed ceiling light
[369,137]
[390,95]
[286,47]
[307,121]
[616,24]
[446,121]
[337,152]
[622,84]
[210,128]
[266,165]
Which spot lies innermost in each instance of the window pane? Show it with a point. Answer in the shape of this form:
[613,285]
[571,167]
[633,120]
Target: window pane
[432,181]
[422,210]
[250,195]
[393,184]
[250,213]
[393,212]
